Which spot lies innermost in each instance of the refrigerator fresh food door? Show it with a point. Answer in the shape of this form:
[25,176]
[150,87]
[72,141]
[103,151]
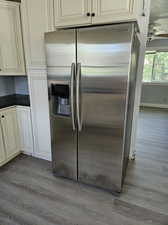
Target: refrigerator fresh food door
[61,66]
[104,55]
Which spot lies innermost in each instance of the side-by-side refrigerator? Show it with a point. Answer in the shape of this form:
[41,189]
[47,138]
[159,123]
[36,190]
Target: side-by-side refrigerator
[91,82]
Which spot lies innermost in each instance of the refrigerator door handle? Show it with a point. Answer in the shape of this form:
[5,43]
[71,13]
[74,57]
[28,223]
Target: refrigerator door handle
[72,95]
[78,103]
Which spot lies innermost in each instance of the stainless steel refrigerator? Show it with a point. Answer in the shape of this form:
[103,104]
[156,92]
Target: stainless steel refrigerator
[91,82]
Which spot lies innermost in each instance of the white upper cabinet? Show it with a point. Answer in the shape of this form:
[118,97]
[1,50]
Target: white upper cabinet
[2,150]
[72,12]
[82,12]
[11,47]
[10,132]
[114,10]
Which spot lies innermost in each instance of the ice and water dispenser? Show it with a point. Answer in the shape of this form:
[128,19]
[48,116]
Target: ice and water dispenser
[60,97]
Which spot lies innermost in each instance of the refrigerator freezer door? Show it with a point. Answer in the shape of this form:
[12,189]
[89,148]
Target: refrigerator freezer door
[61,61]
[104,55]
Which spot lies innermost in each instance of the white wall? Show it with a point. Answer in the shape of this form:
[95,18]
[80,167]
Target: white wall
[10,85]
[6,86]
[21,85]
[155,94]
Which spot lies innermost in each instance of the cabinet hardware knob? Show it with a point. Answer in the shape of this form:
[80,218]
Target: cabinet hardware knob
[88,14]
[143,10]
[93,14]
[2,116]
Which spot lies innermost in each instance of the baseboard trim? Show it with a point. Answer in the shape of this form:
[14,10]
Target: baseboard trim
[43,155]
[40,155]
[27,153]
[162,106]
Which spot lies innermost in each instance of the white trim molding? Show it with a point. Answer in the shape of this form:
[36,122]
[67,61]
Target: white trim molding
[155,83]
[40,113]
[161,106]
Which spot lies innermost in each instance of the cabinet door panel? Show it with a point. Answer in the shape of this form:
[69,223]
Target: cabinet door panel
[74,12]
[2,150]
[9,61]
[11,49]
[37,18]
[10,131]
[109,11]
[25,129]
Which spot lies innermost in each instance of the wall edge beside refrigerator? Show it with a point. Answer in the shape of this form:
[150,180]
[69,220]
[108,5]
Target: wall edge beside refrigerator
[37,18]
[40,113]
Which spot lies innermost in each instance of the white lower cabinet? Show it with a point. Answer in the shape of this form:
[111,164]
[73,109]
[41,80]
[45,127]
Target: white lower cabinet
[10,133]
[15,133]
[25,129]
[2,149]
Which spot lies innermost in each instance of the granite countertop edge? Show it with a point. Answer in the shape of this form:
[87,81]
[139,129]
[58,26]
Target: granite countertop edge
[14,100]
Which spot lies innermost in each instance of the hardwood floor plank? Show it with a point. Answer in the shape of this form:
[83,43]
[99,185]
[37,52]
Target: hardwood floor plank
[31,195]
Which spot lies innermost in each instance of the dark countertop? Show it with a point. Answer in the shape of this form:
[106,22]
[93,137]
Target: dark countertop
[11,100]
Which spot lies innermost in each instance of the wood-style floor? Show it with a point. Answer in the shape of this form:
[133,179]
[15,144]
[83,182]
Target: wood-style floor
[31,195]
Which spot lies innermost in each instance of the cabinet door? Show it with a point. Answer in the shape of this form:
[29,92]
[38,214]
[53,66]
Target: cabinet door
[11,48]
[25,129]
[70,13]
[112,10]
[2,150]
[10,131]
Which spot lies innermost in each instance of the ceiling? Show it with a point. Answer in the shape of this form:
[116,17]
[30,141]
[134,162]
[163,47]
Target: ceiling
[159,18]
